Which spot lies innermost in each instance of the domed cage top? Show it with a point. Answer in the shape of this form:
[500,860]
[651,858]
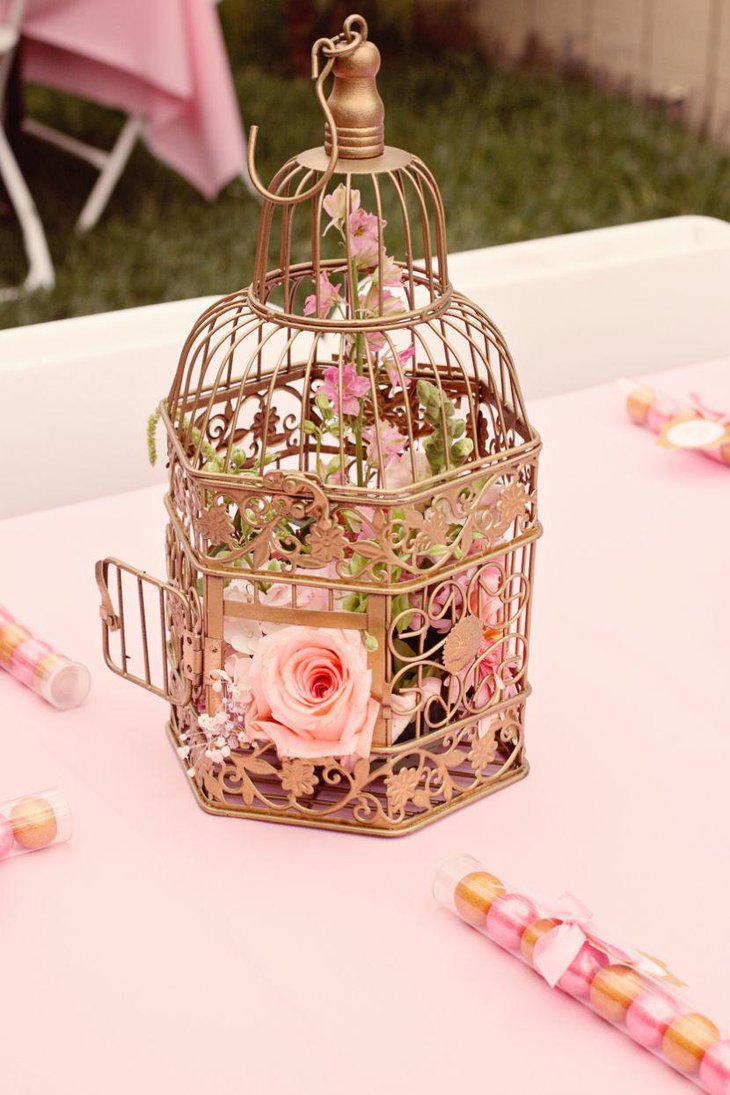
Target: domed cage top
[352,472]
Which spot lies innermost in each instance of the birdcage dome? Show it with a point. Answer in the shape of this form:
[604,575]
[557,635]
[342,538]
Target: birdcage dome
[255,391]
[349,358]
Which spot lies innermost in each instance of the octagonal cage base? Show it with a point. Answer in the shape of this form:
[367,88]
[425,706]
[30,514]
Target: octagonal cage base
[392,792]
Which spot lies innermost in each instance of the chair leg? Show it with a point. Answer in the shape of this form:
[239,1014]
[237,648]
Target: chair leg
[40,267]
[116,161]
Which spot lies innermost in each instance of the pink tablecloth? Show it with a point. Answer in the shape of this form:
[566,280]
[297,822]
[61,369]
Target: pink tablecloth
[165,949]
[162,59]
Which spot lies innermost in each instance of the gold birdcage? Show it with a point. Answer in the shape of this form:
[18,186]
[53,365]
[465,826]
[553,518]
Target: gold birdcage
[343,635]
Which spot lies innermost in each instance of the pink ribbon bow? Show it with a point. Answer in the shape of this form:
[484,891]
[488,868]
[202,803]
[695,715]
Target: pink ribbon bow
[556,950]
[707,412]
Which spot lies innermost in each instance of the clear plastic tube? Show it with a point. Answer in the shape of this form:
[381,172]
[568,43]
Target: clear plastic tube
[32,822]
[622,986]
[55,678]
[687,424]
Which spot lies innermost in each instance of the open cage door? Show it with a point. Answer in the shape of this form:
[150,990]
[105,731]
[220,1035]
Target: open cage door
[149,633]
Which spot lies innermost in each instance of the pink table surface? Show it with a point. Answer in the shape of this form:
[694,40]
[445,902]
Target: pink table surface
[164,60]
[167,950]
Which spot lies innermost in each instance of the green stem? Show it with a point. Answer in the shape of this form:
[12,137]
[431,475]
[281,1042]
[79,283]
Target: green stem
[359,370]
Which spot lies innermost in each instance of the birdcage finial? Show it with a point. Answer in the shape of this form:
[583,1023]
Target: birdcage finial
[353,113]
[356,106]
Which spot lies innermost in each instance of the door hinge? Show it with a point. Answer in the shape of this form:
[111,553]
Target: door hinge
[200,658]
[212,659]
[192,654]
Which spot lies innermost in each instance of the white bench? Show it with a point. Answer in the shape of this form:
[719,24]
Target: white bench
[576,310]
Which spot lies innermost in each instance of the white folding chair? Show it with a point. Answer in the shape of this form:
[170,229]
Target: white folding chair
[110,164]
[40,268]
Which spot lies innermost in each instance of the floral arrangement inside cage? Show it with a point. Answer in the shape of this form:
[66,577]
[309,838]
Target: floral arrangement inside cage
[352,506]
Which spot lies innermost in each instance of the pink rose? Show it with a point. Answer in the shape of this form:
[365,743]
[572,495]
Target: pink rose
[310,690]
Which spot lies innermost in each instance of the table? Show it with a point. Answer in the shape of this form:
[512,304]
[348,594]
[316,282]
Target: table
[168,950]
[665,280]
[164,62]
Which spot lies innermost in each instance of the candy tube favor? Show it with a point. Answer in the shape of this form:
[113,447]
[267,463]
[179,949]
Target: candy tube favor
[558,940]
[33,822]
[688,424]
[60,682]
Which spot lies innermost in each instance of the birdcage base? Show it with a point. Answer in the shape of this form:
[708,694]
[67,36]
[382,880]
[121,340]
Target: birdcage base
[394,791]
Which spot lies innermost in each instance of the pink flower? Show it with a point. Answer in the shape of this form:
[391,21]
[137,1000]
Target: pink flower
[238,668]
[406,703]
[370,303]
[362,234]
[311,693]
[335,205]
[242,634]
[385,444]
[399,472]
[354,387]
[482,599]
[398,377]
[279,595]
[370,306]
[392,273]
[494,671]
[329,296]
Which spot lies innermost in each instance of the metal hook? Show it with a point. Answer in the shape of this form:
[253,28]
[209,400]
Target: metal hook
[295,199]
[331,48]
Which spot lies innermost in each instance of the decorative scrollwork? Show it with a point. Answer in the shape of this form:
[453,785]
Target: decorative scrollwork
[378,794]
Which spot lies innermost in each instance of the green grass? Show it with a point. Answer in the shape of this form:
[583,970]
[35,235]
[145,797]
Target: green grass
[517,155]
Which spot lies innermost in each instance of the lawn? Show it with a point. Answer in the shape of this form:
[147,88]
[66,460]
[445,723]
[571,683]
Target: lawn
[517,155]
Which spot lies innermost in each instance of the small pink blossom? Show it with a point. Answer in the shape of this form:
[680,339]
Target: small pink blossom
[354,387]
[329,296]
[363,238]
[335,205]
[238,667]
[370,303]
[370,306]
[405,704]
[280,595]
[392,273]
[400,472]
[481,597]
[385,444]
[399,377]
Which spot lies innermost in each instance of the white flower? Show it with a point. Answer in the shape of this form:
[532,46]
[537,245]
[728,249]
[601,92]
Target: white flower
[335,205]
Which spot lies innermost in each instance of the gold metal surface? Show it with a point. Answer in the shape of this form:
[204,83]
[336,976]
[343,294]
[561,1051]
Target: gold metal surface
[456,545]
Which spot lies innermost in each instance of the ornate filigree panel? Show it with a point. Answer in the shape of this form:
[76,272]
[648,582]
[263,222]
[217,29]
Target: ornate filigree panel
[286,520]
[387,793]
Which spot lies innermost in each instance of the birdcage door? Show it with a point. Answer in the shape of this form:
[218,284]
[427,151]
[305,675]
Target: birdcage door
[149,631]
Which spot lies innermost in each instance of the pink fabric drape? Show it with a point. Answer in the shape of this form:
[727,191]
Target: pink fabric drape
[162,59]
